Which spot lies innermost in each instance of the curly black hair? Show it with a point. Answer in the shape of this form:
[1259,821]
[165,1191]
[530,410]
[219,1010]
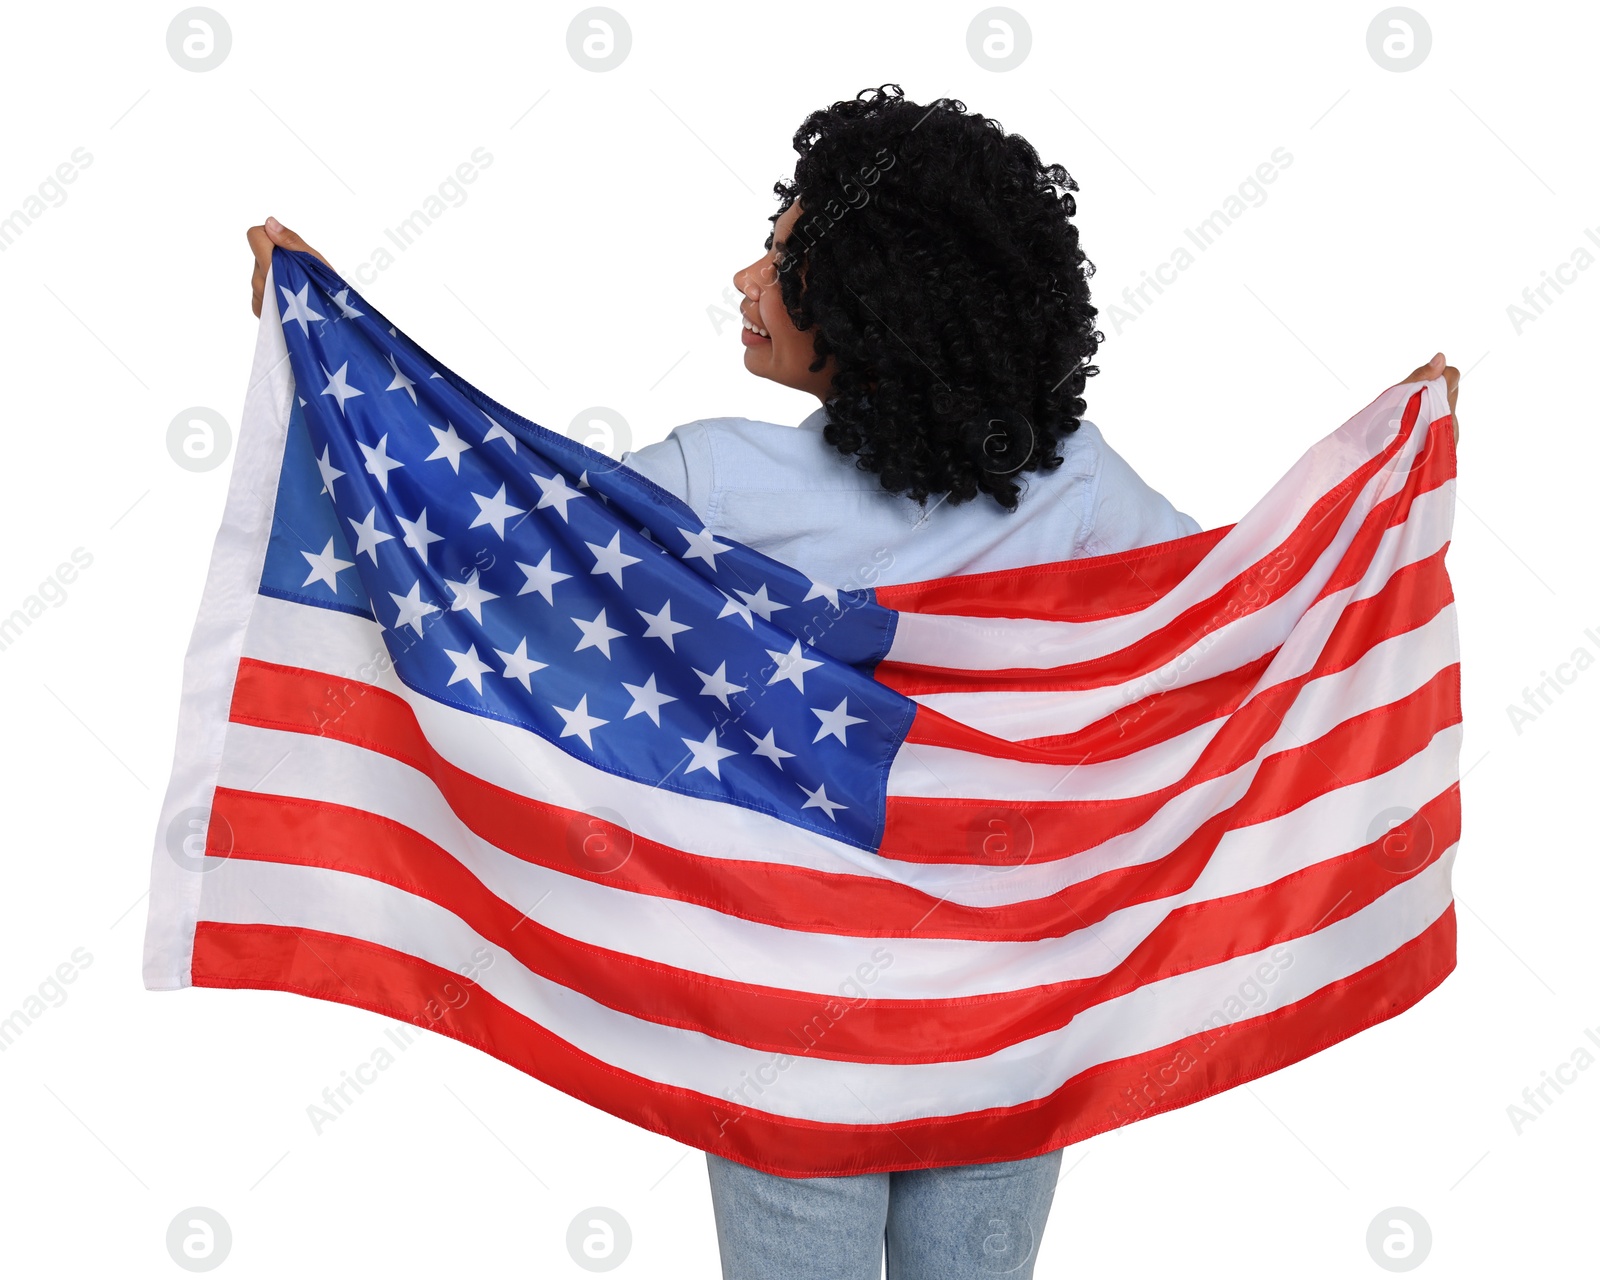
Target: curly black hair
[935,259]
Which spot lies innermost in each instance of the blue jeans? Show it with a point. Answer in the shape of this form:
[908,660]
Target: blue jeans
[962,1221]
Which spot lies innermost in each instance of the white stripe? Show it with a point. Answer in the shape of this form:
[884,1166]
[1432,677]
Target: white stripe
[831,1091]
[1389,670]
[986,644]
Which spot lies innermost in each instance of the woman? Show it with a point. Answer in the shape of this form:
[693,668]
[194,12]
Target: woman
[924,281]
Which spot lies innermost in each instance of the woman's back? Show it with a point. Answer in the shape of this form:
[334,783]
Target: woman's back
[786,492]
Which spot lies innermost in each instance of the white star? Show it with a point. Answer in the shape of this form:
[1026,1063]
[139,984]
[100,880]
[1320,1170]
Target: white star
[342,300]
[325,567]
[401,382]
[596,634]
[296,307]
[611,558]
[417,535]
[330,473]
[554,492]
[413,608]
[494,511]
[735,606]
[541,577]
[647,700]
[791,667]
[704,546]
[759,603]
[337,387]
[717,686]
[835,722]
[818,799]
[379,463]
[468,667]
[368,536]
[519,666]
[662,627]
[769,747]
[706,754]
[497,432]
[579,721]
[470,596]
[819,591]
[451,446]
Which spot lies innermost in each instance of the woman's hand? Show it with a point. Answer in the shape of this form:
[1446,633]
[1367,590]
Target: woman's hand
[262,238]
[1452,379]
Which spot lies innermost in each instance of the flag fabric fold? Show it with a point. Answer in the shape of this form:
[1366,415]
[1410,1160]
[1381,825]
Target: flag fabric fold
[482,730]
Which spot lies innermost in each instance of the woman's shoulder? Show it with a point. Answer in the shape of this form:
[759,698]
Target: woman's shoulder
[751,453]
[1125,510]
[699,459]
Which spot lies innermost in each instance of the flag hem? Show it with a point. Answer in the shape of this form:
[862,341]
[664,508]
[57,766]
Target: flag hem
[211,662]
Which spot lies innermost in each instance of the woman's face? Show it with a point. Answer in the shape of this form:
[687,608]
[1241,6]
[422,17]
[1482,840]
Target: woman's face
[784,354]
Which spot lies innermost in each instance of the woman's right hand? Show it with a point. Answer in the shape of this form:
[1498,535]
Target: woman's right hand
[262,239]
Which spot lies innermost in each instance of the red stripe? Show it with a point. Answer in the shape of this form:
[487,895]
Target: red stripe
[292,699]
[355,973]
[927,829]
[1268,579]
[1433,467]
[812,901]
[831,1024]
[1083,590]
[1411,597]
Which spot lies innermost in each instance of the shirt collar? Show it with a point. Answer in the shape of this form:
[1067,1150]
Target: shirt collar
[815,420]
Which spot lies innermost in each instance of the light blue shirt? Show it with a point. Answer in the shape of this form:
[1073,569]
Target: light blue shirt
[785,491]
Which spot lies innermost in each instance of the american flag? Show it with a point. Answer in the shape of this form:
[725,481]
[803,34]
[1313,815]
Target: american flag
[484,731]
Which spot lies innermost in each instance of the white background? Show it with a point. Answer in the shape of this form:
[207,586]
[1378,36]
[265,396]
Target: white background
[579,271]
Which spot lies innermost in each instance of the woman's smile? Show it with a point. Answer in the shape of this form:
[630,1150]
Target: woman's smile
[773,347]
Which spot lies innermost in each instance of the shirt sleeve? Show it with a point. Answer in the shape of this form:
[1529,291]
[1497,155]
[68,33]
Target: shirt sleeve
[1125,512]
[664,463]
[682,464]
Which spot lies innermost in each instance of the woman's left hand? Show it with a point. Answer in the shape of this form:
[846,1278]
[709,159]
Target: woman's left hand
[1452,379]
